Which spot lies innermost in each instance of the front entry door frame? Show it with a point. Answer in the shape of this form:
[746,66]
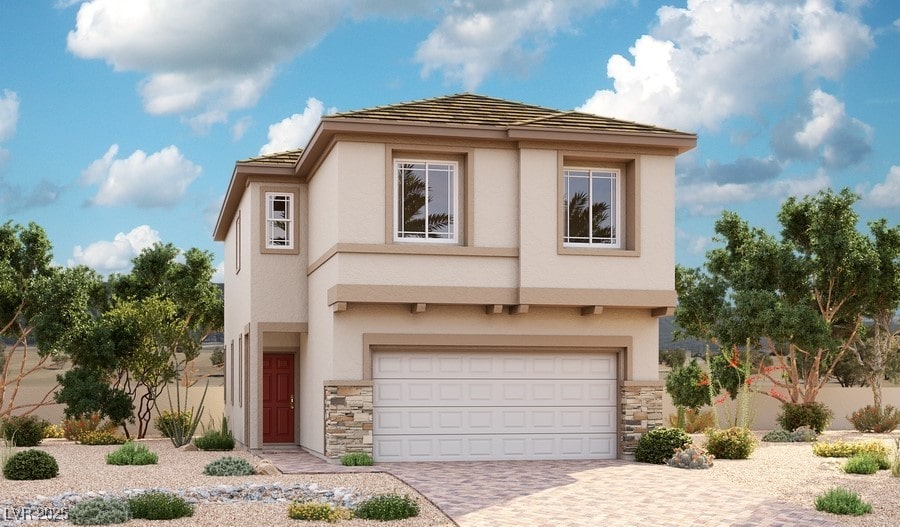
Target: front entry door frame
[279,399]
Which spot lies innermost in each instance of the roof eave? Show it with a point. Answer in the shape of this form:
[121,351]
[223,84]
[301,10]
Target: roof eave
[236,187]
[680,141]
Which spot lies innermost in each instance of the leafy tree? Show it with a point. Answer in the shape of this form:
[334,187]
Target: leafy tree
[152,324]
[689,387]
[39,303]
[801,296]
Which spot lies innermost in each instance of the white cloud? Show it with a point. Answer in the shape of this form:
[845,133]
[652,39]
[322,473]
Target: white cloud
[696,244]
[710,198]
[825,131]
[478,37]
[158,180]
[886,194]
[9,114]
[716,59]
[240,127]
[204,56]
[294,131]
[218,276]
[115,256]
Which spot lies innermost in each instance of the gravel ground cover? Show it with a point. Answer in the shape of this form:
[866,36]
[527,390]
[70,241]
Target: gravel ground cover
[786,471]
[83,469]
[791,472]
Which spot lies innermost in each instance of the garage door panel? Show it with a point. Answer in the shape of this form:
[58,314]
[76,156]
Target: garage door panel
[511,447]
[462,420]
[446,405]
[492,392]
[428,365]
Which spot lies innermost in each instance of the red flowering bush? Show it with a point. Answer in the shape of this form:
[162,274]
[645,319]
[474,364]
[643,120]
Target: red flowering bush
[871,419]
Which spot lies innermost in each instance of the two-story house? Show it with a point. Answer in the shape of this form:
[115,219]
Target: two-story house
[456,278]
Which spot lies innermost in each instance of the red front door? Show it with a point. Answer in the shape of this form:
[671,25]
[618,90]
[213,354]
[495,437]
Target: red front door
[278,398]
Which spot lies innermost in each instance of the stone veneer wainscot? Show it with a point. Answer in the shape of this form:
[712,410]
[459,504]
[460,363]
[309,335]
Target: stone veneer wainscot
[348,418]
[641,412]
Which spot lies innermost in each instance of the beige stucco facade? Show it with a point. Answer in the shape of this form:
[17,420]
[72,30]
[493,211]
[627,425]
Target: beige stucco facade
[347,288]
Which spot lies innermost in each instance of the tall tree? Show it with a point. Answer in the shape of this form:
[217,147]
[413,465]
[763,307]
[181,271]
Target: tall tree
[802,297]
[153,324]
[40,304]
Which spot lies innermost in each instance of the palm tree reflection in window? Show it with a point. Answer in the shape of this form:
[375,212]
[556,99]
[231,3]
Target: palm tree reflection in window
[427,192]
[589,203]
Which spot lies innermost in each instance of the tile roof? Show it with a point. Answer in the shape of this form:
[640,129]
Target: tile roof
[287,158]
[479,110]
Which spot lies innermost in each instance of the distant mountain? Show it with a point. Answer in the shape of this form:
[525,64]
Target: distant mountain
[697,348]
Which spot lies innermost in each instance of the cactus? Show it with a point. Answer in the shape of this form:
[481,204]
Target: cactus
[691,457]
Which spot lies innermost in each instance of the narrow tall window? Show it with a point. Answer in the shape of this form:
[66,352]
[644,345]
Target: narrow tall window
[279,220]
[592,205]
[425,204]
[237,243]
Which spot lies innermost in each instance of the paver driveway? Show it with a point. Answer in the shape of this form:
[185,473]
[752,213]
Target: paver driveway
[577,493]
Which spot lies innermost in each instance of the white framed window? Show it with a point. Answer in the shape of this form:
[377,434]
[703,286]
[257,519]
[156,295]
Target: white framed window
[426,201]
[592,203]
[279,220]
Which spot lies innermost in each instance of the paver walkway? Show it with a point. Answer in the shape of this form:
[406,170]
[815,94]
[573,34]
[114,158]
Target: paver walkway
[576,494]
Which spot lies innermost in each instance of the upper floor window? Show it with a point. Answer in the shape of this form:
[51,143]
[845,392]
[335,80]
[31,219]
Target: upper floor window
[592,201]
[425,203]
[279,220]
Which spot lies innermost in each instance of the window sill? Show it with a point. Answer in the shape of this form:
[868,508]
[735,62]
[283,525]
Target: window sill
[598,251]
[285,250]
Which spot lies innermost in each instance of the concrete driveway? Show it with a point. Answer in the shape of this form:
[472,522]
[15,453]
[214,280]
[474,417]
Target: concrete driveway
[578,493]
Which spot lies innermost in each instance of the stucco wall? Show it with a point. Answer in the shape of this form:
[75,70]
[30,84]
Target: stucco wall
[238,309]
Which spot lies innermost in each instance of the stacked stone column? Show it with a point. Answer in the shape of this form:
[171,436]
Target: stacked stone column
[641,403]
[348,419]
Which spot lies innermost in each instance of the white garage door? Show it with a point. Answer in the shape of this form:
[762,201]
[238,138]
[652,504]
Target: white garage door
[501,405]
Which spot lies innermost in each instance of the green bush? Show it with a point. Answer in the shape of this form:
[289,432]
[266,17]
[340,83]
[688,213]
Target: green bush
[166,421]
[673,358]
[216,439]
[842,501]
[691,457]
[101,437]
[132,453]
[861,464]
[731,443]
[30,464]
[659,444]
[156,505]
[318,511]
[23,430]
[695,421]
[841,448]
[229,466]
[99,511]
[814,415]
[73,428]
[803,434]
[217,357]
[689,386]
[871,419]
[357,459]
[387,507]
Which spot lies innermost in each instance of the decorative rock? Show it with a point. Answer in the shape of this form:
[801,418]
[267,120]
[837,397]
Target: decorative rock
[190,447]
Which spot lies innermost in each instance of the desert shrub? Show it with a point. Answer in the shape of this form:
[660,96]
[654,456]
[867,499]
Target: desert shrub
[803,434]
[30,464]
[99,511]
[165,421]
[216,439]
[731,443]
[73,428]
[841,448]
[52,431]
[659,444]
[871,419]
[229,466]
[861,464]
[387,507]
[217,357]
[691,457]
[814,415]
[694,420]
[357,459]
[318,511]
[156,505]
[23,430]
[842,501]
[101,437]
[132,453]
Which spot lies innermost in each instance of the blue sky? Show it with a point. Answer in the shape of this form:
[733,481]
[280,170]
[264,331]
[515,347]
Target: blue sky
[120,122]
